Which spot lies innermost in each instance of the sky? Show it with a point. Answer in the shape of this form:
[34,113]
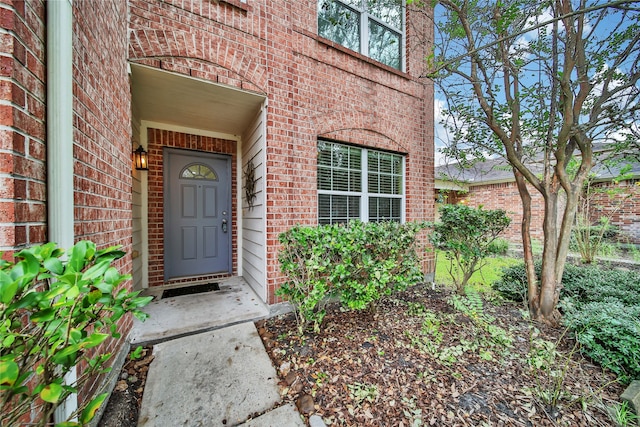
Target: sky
[441,136]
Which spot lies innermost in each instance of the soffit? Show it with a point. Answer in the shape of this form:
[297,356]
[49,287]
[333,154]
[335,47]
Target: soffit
[175,99]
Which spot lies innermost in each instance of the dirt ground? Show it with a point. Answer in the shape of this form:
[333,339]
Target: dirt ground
[418,360]
[124,403]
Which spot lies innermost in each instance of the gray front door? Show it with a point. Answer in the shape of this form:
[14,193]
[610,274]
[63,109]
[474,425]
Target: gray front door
[197,213]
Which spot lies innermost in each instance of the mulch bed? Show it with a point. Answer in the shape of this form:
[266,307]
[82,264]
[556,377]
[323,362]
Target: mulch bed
[417,360]
[124,403]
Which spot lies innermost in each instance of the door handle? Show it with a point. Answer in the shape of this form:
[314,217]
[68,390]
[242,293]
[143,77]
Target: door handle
[224,225]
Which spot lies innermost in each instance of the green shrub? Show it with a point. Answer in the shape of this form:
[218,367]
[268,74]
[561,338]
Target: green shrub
[467,236]
[609,332]
[358,262]
[588,284]
[513,284]
[499,246]
[602,309]
[54,313]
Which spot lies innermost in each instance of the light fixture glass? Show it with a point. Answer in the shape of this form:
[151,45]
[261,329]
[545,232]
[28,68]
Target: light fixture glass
[140,159]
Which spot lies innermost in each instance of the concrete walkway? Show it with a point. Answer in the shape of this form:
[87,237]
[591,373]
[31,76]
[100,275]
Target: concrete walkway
[211,368]
[216,378]
[174,317]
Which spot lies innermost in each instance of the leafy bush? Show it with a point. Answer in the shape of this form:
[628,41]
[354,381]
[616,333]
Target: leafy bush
[594,284]
[513,284]
[601,307]
[499,246]
[467,236]
[54,312]
[358,262]
[609,333]
[584,283]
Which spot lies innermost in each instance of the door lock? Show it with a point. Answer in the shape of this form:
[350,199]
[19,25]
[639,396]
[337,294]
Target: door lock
[224,225]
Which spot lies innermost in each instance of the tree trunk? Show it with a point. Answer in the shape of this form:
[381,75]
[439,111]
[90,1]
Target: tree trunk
[543,295]
[548,282]
[532,279]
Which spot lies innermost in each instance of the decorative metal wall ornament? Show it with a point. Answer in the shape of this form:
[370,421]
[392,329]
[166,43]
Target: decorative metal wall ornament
[250,179]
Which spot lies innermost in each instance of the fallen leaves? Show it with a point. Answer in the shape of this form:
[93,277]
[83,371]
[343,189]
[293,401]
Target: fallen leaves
[419,382]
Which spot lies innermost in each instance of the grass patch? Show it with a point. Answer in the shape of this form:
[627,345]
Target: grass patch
[481,279]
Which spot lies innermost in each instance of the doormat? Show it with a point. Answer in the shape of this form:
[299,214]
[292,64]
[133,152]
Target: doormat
[190,290]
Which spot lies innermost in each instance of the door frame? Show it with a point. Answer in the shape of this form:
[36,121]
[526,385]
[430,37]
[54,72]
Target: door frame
[166,152]
[144,261]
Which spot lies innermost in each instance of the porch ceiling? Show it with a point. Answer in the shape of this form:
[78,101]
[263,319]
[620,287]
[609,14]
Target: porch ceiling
[175,99]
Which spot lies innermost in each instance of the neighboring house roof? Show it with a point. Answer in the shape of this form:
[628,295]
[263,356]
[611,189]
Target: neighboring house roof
[607,173]
[492,171]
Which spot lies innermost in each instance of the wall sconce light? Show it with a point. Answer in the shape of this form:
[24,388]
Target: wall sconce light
[140,159]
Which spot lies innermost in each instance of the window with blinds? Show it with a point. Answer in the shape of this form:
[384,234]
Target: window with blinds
[358,183]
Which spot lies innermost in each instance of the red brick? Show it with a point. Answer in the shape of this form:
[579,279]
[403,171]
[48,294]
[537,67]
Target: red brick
[266,47]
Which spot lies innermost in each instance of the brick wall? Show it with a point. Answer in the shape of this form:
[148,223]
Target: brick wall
[156,140]
[505,196]
[22,117]
[314,88]
[102,130]
[102,135]
[621,203]
[22,133]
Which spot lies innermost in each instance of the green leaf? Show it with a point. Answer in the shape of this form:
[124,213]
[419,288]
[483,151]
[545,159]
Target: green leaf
[67,355]
[97,270]
[30,263]
[104,287]
[8,288]
[58,288]
[46,315]
[140,301]
[94,296]
[77,260]
[94,340]
[51,393]
[75,336]
[8,340]
[112,276]
[70,278]
[9,372]
[90,410]
[54,265]
[73,292]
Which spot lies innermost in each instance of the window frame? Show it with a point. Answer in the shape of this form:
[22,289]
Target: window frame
[365,17]
[365,195]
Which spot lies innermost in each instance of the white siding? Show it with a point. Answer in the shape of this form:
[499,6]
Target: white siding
[254,219]
[137,207]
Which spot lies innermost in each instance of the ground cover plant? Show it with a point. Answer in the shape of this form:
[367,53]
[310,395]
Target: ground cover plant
[601,307]
[433,357]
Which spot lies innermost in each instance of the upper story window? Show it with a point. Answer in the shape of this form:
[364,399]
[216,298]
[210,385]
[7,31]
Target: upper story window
[373,28]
